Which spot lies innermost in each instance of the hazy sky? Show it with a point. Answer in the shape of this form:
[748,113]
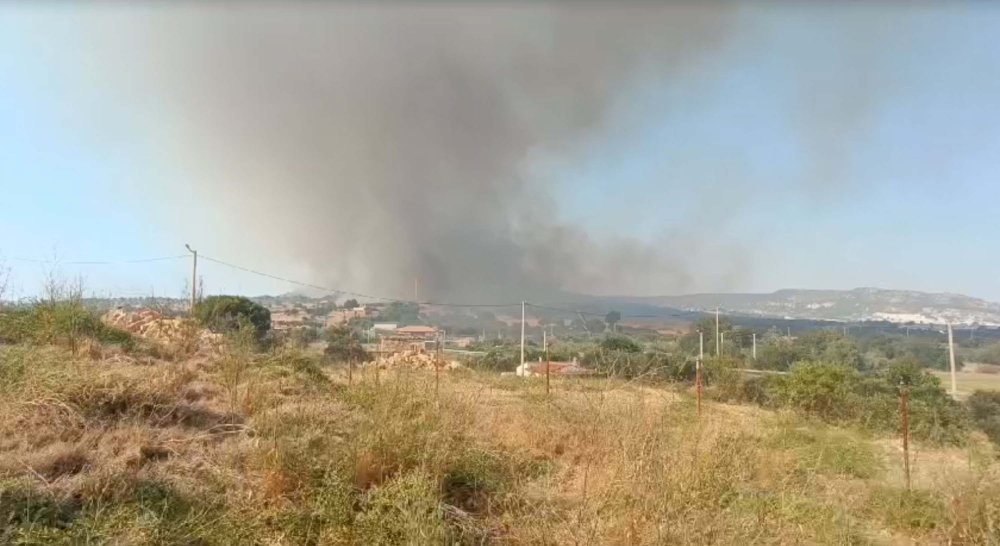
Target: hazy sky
[505,149]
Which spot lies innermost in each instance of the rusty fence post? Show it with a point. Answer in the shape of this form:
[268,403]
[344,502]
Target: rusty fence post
[697,384]
[904,413]
[547,367]
[378,361]
[437,369]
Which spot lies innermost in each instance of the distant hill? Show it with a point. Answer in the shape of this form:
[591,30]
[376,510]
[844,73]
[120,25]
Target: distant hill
[860,304]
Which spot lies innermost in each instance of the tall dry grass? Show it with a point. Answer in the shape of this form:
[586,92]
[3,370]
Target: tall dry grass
[276,448]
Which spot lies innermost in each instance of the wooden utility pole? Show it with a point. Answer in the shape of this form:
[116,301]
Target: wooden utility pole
[194,275]
[522,335]
[701,345]
[755,345]
[545,341]
[717,343]
[951,358]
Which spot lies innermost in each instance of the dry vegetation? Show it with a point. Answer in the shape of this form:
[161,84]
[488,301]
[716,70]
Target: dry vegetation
[273,448]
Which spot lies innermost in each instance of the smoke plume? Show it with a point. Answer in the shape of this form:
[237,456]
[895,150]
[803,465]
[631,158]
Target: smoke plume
[385,143]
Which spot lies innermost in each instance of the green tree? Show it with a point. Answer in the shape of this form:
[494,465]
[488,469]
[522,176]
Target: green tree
[404,313]
[343,344]
[351,304]
[612,318]
[224,313]
[620,343]
[844,351]
[595,326]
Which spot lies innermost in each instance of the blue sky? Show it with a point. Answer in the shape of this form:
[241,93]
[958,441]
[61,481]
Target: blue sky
[814,148]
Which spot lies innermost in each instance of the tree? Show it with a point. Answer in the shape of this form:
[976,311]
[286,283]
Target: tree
[844,351]
[401,312]
[351,304]
[595,326]
[707,326]
[225,313]
[612,318]
[620,343]
[342,344]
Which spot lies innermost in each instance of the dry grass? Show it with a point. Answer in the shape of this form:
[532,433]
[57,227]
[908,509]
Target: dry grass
[967,382]
[274,449]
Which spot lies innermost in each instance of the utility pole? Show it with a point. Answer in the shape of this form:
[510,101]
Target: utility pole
[697,370]
[951,357]
[722,339]
[194,275]
[522,335]
[717,332]
[755,345]
[545,341]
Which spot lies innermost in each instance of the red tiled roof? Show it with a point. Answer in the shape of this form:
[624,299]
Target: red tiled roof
[416,330]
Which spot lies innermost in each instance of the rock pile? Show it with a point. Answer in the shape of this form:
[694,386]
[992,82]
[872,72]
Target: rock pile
[175,333]
[414,360]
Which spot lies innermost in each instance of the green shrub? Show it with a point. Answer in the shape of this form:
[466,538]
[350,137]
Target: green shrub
[903,509]
[343,345]
[620,343]
[23,509]
[223,314]
[985,409]
[404,510]
[839,394]
[819,389]
[66,322]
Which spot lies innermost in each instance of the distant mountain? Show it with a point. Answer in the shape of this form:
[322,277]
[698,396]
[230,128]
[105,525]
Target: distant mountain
[899,306]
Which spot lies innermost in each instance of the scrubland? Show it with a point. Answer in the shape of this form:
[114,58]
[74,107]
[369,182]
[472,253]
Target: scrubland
[108,442]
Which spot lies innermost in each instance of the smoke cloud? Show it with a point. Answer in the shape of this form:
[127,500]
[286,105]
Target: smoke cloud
[375,144]
[381,144]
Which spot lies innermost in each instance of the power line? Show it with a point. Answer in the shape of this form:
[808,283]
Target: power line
[99,262]
[336,291]
[600,314]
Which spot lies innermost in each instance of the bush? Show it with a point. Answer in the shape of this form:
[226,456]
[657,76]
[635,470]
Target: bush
[66,322]
[620,343]
[838,394]
[223,314]
[985,409]
[343,345]
[818,389]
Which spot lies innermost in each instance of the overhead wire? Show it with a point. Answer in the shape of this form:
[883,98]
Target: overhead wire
[337,291]
[99,262]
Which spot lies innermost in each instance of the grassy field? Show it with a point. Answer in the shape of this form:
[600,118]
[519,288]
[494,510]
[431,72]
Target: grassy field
[243,448]
[967,382]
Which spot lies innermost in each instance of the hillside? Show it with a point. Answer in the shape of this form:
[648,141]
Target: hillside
[899,306]
[274,450]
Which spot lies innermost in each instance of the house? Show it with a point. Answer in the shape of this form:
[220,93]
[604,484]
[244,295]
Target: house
[537,369]
[342,316]
[285,320]
[417,332]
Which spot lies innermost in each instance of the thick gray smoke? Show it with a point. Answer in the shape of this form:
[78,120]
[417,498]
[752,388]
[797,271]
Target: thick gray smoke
[382,144]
